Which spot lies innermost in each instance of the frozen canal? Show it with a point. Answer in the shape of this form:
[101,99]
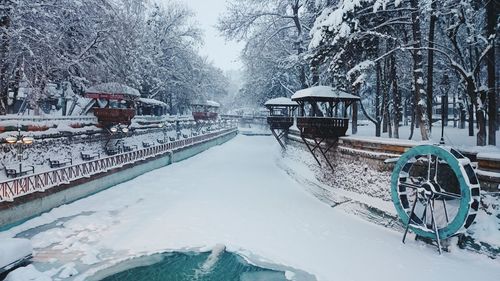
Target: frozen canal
[238,196]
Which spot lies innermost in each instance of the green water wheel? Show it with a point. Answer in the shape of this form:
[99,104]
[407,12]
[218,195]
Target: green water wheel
[435,191]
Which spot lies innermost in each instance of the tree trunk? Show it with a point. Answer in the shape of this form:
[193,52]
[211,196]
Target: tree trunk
[15,88]
[354,118]
[384,111]
[462,116]
[406,113]
[471,119]
[430,62]
[492,8]
[396,95]
[389,124]
[300,50]
[387,98]
[373,120]
[418,75]
[4,50]
[412,125]
[481,121]
[315,72]
[377,102]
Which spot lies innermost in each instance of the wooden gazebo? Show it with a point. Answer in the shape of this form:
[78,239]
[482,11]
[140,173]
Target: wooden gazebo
[322,117]
[205,111]
[112,103]
[280,117]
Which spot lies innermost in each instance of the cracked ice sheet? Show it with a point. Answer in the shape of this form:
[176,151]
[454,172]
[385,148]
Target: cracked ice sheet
[235,195]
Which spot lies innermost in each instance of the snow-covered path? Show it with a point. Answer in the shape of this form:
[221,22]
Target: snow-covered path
[236,195]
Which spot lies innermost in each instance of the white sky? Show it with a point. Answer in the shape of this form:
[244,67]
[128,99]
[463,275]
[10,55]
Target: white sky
[223,54]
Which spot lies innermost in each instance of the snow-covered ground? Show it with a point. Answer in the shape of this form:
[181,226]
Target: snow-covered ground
[455,137]
[237,195]
[254,129]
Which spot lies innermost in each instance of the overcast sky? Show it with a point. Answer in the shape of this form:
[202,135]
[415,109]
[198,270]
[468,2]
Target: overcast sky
[223,54]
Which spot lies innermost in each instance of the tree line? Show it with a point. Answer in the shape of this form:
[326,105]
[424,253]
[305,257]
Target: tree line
[402,57]
[151,47]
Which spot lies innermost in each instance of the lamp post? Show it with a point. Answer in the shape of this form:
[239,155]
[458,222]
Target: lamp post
[179,126]
[119,129]
[116,130]
[19,140]
[192,127]
[445,88]
[165,127]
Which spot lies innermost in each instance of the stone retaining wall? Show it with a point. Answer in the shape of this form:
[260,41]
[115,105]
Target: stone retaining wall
[381,154]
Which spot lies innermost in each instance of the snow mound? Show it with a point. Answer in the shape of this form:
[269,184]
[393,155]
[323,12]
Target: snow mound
[28,273]
[14,250]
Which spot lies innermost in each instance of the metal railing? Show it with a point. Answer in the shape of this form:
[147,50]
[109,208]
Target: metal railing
[39,182]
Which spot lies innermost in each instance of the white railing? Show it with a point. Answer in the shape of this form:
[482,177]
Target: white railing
[87,118]
[162,118]
[28,118]
[39,182]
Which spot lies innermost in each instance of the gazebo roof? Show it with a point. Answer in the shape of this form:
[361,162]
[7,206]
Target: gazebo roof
[213,103]
[113,88]
[210,103]
[280,102]
[152,102]
[323,93]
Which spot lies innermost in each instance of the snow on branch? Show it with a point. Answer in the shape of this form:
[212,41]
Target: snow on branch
[359,69]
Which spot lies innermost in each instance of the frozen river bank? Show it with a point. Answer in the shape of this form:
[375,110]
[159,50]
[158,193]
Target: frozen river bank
[238,196]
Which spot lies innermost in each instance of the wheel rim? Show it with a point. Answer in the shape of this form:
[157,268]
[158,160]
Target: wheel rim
[438,179]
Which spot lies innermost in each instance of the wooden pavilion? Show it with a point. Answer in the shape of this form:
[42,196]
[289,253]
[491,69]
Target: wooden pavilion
[322,117]
[112,103]
[280,117]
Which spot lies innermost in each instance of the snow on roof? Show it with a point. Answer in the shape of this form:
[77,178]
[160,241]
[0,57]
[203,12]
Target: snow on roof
[322,93]
[213,103]
[113,88]
[208,102]
[152,101]
[281,102]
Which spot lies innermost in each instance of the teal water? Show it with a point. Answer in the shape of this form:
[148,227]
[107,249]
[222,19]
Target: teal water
[197,267]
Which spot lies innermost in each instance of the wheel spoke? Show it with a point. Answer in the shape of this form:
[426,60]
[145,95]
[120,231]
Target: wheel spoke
[410,185]
[429,160]
[432,212]
[448,195]
[436,169]
[435,228]
[445,210]
[424,216]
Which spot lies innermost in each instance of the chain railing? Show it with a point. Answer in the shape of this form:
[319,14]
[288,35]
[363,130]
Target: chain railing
[39,182]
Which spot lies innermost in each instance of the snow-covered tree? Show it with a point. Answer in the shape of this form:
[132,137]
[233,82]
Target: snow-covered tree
[357,37]
[276,36]
[151,47]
